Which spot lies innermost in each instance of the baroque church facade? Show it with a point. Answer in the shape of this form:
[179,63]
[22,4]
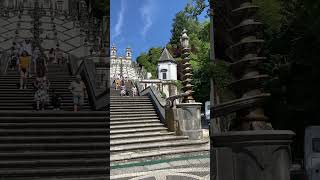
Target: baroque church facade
[122,66]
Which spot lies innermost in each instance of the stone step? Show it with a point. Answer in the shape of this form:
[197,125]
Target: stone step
[50,77]
[30,84]
[156,153]
[140,135]
[31,108]
[147,102]
[153,145]
[49,173]
[133,126]
[132,122]
[137,130]
[55,132]
[18,91]
[128,97]
[134,118]
[31,98]
[30,87]
[131,107]
[131,115]
[84,114]
[53,154]
[35,119]
[20,95]
[53,163]
[144,140]
[53,125]
[31,80]
[52,139]
[25,103]
[54,146]
[131,100]
[125,111]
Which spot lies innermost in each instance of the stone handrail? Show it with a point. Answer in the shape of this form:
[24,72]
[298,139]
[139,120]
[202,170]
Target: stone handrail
[156,98]
[86,69]
[170,100]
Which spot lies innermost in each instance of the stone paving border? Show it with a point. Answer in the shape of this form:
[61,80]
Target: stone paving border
[161,174]
[193,159]
[189,166]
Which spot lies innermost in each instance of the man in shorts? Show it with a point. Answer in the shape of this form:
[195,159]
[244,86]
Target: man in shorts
[78,90]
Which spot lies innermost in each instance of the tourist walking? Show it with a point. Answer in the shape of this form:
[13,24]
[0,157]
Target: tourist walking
[41,95]
[13,58]
[78,90]
[59,56]
[17,47]
[41,66]
[51,56]
[35,55]
[24,63]
[27,46]
[134,91]
[123,91]
[117,83]
[56,100]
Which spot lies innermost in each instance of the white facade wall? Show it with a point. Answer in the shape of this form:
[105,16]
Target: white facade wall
[169,68]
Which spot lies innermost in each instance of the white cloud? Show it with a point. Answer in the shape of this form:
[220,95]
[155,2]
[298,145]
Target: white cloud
[146,15]
[119,24]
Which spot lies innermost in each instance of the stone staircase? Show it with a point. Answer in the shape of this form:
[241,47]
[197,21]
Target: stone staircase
[12,98]
[49,144]
[137,134]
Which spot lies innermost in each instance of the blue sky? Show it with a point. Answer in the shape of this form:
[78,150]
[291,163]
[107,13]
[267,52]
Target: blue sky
[142,24]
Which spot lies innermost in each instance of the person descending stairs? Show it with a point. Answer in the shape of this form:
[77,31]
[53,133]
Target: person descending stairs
[50,144]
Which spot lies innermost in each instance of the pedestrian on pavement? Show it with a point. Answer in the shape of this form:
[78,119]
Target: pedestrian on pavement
[24,63]
[78,90]
[41,95]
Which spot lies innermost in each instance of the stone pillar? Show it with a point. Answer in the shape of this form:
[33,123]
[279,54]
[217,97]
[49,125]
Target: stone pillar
[189,120]
[171,120]
[251,155]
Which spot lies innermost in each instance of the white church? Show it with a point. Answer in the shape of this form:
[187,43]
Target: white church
[122,65]
[167,66]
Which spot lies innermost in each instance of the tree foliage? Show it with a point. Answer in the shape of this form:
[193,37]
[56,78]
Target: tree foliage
[292,37]
[150,60]
[99,7]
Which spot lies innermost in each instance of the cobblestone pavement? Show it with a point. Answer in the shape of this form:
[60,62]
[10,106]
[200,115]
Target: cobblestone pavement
[189,168]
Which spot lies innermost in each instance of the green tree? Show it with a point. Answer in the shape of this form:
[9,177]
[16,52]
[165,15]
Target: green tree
[150,60]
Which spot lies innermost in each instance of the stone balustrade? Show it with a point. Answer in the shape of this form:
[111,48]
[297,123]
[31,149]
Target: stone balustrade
[167,87]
